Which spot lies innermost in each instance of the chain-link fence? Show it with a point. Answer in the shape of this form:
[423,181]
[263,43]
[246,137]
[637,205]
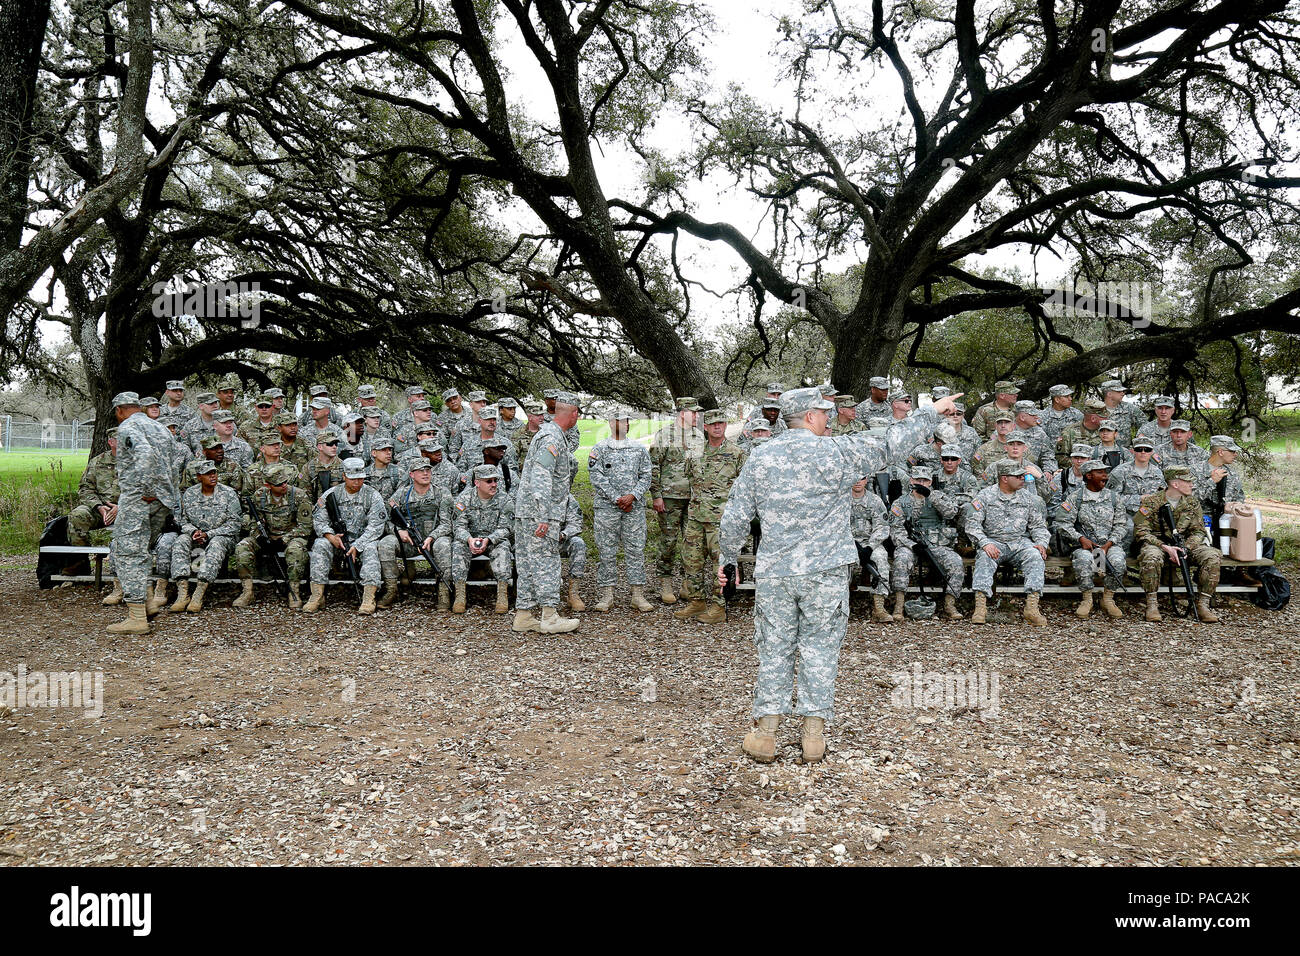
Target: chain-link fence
[17,434]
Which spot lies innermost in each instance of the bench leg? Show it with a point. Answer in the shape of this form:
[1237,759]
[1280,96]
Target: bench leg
[99,572]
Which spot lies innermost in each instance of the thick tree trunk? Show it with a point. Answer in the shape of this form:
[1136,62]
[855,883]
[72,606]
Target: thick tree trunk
[865,345]
[22,32]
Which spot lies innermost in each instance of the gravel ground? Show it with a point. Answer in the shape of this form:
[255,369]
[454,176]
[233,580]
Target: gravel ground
[260,736]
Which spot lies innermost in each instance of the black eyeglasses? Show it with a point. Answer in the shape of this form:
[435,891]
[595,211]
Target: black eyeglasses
[490,481]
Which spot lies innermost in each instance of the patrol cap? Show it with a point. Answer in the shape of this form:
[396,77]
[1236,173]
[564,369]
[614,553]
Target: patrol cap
[148,401]
[413,390]
[534,408]
[485,472]
[507,403]
[273,439]
[228,381]
[846,400]
[476,397]
[209,441]
[372,411]
[1180,423]
[880,381]
[775,387]
[760,426]
[1141,442]
[1095,405]
[799,401]
[1224,441]
[488,411]
[1060,391]
[354,468]
[1019,435]
[175,384]
[922,471]
[327,438]
[417,463]
[686,403]
[351,417]
[1004,415]
[264,399]
[959,407]
[551,393]
[951,451]
[365,391]
[319,403]
[827,390]
[714,415]
[279,474]
[1113,385]
[1006,388]
[899,396]
[1177,473]
[1108,424]
[223,415]
[284,418]
[1095,465]
[205,467]
[316,390]
[1024,405]
[1008,467]
[449,394]
[496,443]
[1081,450]
[170,420]
[426,428]
[206,398]
[420,406]
[379,444]
[430,444]
[1163,400]
[122,399]
[772,403]
[275,392]
[621,413]
[112,432]
[940,391]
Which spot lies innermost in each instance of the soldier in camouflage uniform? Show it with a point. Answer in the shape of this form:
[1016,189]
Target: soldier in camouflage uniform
[523,437]
[1042,449]
[509,421]
[1181,450]
[201,424]
[541,502]
[444,472]
[1060,413]
[619,469]
[1109,449]
[846,417]
[96,496]
[293,450]
[452,419]
[261,426]
[483,519]
[574,550]
[1135,480]
[237,450]
[373,429]
[472,441]
[496,451]
[268,455]
[1093,520]
[963,436]
[876,405]
[930,514]
[366,398]
[320,398]
[799,485]
[286,510]
[403,418]
[1215,481]
[869,520]
[1006,522]
[365,518]
[1087,431]
[670,490]
[229,473]
[406,437]
[995,449]
[710,472]
[325,470]
[1126,415]
[210,519]
[768,413]
[174,402]
[427,508]
[381,473]
[1156,547]
[1004,400]
[1157,430]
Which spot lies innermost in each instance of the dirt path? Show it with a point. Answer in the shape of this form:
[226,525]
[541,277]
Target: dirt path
[1270,506]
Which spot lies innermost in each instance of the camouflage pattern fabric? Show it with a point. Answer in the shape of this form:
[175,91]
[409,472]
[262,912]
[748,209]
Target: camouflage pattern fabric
[145,470]
[365,517]
[1189,522]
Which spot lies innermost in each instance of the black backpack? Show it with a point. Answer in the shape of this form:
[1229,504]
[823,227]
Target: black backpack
[47,565]
[1274,591]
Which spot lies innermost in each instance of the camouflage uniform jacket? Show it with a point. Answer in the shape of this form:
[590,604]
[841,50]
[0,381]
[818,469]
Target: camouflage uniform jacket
[1054,422]
[1207,489]
[1188,520]
[310,477]
[1133,487]
[474,517]
[99,481]
[1006,517]
[962,486]
[933,516]
[430,513]
[617,468]
[286,517]
[668,452]
[385,482]
[1096,515]
[711,472]
[363,514]
[1076,434]
[146,461]
[982,420]
[1167,456]
[218,514]
[1128,417]
[869,520]
[544,483]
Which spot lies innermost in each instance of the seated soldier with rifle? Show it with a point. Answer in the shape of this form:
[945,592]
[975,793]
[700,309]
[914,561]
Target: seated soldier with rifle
[421,513]
[281,518]
[925,521]
[349,519]
[1169,527]
[871,529]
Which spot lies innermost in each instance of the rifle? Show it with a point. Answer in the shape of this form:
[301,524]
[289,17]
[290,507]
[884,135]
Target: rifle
[864,560]
[889,489]
[341,529]
[271,548]
[913,532]
[1216,509]
[729,589]
[402,519]
[1113,459]
[1167,520]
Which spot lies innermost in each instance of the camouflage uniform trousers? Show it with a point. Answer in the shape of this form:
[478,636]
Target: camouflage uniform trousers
[136,531]
[215,553]
[83,520]
[700,556]
[500,556]
[393,549]
[672,526]
[1021,552]
[627,528]
[1087,564]
[324,555]
[1206,560]
[295,557]
[539,566]
[880,559]
[574,550]
[949,561]
[808,613]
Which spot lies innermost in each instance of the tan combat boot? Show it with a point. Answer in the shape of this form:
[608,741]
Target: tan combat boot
[295,596]
[760,743]
[667,595]
[696,606]
[950,611]
[878,612]
[526,620]
[606,600]
[444,597]
[1085,605]
[246,595]
[714,614]
[157,599]
[1032,614]
[316,600]
[898,606]
[1153,606]
[981,608]
[136,622]
[573,598]
[503,597]
[196,602]
[389,571]
[367,599]
[1109,606]
[114,596]
[552,623]
[182,596]
[458,606]
[1204,611]
[638,600]
[814,739]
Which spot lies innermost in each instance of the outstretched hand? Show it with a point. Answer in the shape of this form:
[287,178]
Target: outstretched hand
[945,405]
